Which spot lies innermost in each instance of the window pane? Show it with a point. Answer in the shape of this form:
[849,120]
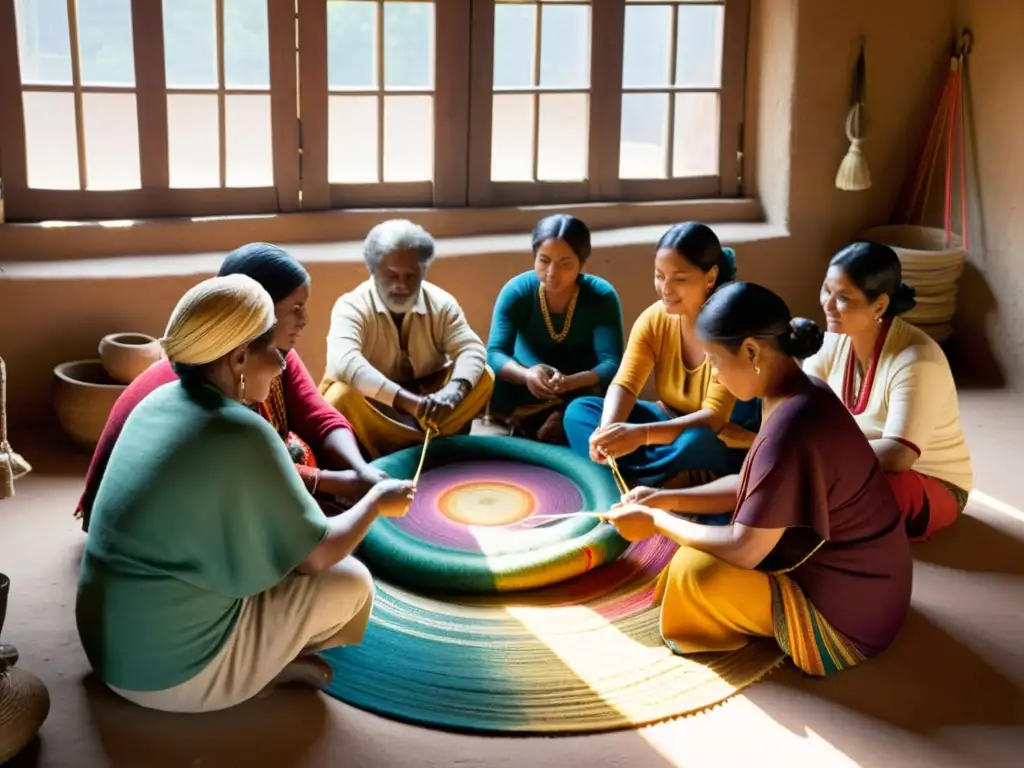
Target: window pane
[246,44]
[111,126]
[408,45]
[644,139]
[190,43]
[514,40]
[512,137]
[408,138]
[352,139]
[695,135]
[352,44]
[51,140]
[699,46]
[565,46]
[105,52]
[247,141]
[193,140]
[645,54]
[562,137]
[44,43]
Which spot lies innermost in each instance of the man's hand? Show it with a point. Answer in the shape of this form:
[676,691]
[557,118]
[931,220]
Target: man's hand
[440,405]
[408,403]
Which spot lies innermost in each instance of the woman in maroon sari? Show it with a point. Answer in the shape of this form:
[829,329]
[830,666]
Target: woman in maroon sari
[319,438]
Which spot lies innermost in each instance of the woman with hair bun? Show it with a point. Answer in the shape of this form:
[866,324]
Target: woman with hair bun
[815,553]
[692,433]
[896,381]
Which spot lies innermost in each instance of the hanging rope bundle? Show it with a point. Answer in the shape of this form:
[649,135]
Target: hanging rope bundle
[12,465]
[853,174]
[946,136]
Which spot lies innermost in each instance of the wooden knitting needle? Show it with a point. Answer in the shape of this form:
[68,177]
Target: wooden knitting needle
[423,454]
[619,481]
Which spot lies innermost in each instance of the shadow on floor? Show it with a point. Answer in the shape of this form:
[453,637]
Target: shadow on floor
[276,730]
[971,544]
[926,682]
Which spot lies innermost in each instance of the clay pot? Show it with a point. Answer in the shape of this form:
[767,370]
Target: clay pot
[24,700]
[126,355]
[83,395]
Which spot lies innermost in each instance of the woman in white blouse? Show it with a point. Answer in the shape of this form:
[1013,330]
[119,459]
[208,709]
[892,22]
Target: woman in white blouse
[897,383]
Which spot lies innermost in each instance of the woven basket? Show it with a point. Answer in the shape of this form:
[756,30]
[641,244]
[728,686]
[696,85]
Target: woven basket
[12,465]
[931,267]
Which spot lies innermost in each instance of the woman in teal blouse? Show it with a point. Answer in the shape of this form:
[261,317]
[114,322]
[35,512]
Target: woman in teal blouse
[556,333]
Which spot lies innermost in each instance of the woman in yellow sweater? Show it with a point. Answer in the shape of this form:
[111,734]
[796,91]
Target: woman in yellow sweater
[686,437]
[897,383]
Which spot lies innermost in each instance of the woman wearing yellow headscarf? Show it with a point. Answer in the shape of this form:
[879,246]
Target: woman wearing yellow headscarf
[199,588]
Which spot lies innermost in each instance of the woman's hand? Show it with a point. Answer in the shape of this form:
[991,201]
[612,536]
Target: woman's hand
[343,484]
[371,475]
[615,440]
[393,497]
[538,381]
[642,494]
[634,522]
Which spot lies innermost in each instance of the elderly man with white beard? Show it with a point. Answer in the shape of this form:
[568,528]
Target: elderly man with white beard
[401,357]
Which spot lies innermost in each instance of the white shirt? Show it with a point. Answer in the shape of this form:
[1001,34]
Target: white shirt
[364,348]
[912,398]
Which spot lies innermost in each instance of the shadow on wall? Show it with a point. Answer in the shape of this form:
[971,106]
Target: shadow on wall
[973,352]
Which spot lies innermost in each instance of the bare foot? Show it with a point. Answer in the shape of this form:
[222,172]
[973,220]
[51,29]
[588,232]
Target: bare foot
[551,431]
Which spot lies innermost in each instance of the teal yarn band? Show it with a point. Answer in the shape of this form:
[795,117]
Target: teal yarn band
[492,479]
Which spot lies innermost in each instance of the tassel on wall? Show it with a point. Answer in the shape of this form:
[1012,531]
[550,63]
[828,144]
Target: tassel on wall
[854,174]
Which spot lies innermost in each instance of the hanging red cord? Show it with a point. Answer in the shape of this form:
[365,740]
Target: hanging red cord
[948,127]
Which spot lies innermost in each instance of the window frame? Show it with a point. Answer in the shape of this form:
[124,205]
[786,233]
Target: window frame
[607,43]
[155,198]
[463,95]
[450,112]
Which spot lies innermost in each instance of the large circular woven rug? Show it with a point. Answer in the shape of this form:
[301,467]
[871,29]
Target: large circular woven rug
[580,656]
[481,520]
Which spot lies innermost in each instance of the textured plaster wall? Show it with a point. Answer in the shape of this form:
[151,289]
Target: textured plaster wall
[801,55]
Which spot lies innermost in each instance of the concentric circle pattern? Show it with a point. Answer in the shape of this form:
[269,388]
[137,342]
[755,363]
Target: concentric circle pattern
[488,503]
[471,528]
[583,655]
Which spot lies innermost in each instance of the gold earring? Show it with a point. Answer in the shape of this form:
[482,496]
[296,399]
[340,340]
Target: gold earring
[879,319]
[241,387]
[757,370]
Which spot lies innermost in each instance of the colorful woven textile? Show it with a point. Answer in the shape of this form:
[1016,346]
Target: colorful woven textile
[471,528]
[815,646]
[581,656]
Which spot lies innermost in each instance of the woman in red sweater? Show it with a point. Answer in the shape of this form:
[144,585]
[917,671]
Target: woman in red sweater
[320,440]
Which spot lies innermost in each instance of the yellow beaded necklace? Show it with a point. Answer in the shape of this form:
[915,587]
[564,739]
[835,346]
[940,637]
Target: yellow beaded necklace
[558,338]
